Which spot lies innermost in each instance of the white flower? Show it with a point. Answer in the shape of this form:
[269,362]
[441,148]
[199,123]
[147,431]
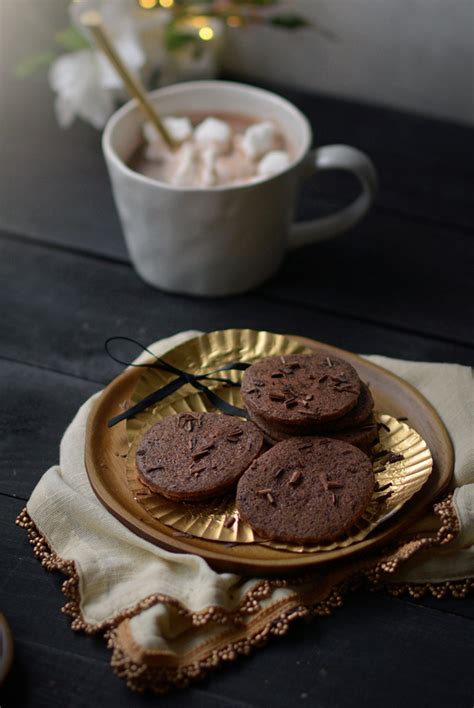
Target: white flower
[75,78]
[85,81]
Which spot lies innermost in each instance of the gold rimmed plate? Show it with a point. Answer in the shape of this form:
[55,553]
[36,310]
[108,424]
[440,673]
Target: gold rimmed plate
[112,479]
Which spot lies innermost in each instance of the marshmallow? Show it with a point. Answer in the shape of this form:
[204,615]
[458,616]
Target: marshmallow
[234,168]
[150,133]
[208,174]
[273,162]
[155,152]
[213,132]
[185,174]
[258,139]
[180,129]
[154,143]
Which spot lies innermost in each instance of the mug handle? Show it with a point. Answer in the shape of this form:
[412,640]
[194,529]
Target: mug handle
[338,157]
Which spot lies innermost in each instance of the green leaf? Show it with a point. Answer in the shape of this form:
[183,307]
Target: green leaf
[288,21]
[33,63]
[176,38]
[71,39]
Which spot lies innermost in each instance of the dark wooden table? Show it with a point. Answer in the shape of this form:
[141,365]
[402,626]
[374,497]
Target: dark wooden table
[399,284]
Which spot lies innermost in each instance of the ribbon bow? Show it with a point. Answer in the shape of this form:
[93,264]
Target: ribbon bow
[182,378]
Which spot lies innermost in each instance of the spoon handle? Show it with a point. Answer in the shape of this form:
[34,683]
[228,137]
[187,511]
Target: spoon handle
[93,21]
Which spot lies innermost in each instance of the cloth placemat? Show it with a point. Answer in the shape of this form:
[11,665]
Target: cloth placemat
[169,618]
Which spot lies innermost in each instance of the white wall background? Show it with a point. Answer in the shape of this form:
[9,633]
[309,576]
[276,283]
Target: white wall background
[411,54]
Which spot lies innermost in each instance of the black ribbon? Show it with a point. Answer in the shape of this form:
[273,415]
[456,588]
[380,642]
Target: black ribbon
[182,378]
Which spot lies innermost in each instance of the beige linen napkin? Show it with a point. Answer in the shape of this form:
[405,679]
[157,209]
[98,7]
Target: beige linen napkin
[170,617]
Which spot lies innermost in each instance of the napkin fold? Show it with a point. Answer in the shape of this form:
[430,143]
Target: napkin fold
[169,618]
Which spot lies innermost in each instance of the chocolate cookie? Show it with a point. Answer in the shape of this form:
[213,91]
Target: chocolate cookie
[194,456]
[300,389]
[362,436]
[306,490]
[357,416]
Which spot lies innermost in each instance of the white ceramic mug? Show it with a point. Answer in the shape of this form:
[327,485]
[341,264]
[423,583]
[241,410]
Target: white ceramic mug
[223,240]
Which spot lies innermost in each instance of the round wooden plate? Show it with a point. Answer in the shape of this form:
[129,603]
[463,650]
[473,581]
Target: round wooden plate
[106,451]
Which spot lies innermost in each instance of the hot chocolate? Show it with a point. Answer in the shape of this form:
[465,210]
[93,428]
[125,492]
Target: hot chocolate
[218,150]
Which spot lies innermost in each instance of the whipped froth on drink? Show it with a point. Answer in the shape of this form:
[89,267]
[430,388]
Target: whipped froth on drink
[218,150]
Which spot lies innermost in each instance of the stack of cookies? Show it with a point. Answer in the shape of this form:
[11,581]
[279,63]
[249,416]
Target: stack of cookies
[312,484]
[311,394]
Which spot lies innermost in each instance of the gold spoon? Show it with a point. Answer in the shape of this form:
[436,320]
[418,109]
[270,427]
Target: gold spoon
[93,21]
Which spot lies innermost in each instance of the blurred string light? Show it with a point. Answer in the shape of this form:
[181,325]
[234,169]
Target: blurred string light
[234,21]
[233,13]
[206,33]
[199,21]
[150,4]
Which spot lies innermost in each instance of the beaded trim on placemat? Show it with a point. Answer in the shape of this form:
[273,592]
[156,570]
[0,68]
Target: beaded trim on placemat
[248,626]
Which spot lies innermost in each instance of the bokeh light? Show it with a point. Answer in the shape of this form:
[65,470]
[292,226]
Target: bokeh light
[206,33]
